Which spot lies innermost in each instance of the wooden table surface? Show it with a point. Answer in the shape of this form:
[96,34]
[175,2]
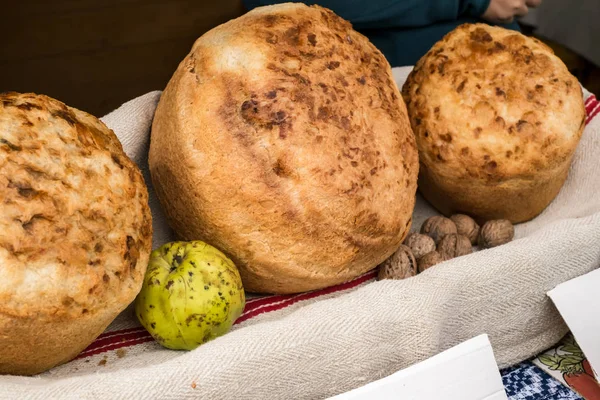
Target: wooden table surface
[96,54]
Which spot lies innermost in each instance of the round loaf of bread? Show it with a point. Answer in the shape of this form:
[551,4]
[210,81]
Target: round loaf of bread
[283,140]
[75,231]
[497,117]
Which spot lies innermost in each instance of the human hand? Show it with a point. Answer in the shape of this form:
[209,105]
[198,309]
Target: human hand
[504,11]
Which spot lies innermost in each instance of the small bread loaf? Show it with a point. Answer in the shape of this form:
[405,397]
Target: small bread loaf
[283,141]
[75,231]
[497,117]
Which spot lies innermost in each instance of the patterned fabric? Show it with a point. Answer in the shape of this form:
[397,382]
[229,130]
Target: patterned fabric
[526,381]
[567,363]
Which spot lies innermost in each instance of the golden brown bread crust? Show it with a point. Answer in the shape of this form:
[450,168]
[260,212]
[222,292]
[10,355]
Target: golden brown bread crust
[497,117]
[283,140]
[75,231]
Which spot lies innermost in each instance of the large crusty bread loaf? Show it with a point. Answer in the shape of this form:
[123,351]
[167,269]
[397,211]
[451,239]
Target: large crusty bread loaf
[75,231]
[497,117]
[283,140]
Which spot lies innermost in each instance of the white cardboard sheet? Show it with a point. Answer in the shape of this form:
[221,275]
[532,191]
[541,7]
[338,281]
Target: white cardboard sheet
[467,371]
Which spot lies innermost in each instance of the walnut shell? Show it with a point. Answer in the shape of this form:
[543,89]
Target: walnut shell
[495,233]
[437,227]
[466,226]
[429,260]
[400,265]
[454,245]
[419,244]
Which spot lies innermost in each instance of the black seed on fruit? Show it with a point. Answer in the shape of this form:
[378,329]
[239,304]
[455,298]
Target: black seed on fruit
[177,260]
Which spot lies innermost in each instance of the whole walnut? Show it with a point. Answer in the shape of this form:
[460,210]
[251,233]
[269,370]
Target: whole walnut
[419,244]
[437,227]
[400,265]
[466,226]
[454,245]
[495,233]
[429,260]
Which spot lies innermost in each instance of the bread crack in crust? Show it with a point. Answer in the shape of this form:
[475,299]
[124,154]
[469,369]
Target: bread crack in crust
[75,231]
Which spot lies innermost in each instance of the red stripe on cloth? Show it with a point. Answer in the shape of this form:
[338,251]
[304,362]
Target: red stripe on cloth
[254,303]
[115,346]
[590,98]
[116,338]
[593,111]
[268,300]
[119,332]
[589,103]
[306,296]
[133,336]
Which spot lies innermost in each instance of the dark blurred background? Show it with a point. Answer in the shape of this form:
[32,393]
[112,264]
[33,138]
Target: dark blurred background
[96,54]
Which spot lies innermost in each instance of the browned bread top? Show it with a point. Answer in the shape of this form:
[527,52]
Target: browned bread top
[492,105]
[75,226]
[283,140]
